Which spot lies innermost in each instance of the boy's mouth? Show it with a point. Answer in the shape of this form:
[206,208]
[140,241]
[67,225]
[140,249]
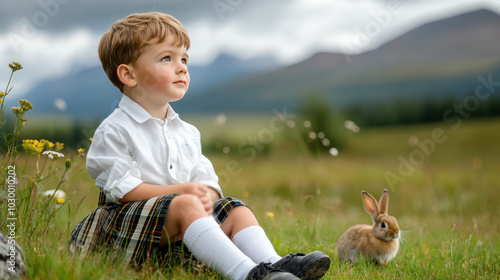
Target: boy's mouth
[180,82]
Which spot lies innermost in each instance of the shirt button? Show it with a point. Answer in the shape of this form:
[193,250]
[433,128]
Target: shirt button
[171,166]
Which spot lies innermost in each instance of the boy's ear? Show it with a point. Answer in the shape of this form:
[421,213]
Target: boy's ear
[126,75]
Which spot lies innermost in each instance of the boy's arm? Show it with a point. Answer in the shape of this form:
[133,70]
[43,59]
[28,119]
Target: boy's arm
[204,173]
[213,194]
[146,191]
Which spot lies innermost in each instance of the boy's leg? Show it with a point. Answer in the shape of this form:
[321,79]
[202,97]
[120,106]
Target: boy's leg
[203,236]
[187,218]
[251,239]
[246,233]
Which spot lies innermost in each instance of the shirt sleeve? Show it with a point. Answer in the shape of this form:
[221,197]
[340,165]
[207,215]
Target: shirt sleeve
[110,163]
[204,173]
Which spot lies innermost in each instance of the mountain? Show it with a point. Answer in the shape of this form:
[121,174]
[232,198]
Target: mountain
[439,59]
[225,69]
[89,94]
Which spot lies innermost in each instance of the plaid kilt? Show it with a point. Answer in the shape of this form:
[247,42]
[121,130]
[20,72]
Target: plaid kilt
[134,227]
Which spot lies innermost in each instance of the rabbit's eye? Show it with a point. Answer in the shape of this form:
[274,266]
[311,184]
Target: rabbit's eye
[382,225]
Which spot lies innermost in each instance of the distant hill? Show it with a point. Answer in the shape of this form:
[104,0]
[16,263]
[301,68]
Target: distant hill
[442,58]
[438,59]
[89,94]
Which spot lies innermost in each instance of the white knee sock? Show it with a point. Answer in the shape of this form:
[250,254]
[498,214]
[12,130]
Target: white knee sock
[209,244]
[254,243]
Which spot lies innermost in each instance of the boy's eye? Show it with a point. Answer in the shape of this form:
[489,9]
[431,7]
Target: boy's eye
[166,58]
[184,61]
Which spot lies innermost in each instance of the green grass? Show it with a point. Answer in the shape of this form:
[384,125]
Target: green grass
[447,208]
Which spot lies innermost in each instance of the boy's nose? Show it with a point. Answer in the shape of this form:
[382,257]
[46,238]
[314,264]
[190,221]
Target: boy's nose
[181,68]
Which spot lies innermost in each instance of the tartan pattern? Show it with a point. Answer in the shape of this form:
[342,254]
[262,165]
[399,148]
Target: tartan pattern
[102,198]
[134,227]
[223,206]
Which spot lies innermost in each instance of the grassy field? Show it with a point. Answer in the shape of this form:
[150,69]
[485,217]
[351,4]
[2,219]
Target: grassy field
[446,203]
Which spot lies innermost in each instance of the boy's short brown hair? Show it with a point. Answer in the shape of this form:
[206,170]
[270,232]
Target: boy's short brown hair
[124,42]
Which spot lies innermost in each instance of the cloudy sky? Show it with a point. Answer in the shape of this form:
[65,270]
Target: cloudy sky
[52,38]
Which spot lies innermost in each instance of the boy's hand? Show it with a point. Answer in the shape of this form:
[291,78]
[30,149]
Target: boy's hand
[202,192]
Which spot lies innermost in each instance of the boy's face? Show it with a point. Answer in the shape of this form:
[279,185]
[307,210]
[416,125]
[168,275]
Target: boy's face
[161,72]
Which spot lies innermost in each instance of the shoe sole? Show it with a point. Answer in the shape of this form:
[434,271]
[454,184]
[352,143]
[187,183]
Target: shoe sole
[315,269]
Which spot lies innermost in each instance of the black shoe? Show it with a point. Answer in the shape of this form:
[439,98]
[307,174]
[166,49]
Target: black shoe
[266,271]
[308,267]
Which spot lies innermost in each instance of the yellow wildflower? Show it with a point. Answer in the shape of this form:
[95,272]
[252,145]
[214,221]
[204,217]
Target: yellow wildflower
[25,105]
[18,111]
[246,194]
[270,215]
[59,146]
[32,147]
[15,66]
[91,139]
[80,151]
[2,94]
[47,145]
[23,120]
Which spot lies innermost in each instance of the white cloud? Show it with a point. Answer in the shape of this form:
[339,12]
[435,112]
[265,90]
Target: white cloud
[47,56]
[290,31]
[301,28]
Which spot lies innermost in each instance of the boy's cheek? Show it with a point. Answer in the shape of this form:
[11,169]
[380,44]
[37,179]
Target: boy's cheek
[151,82]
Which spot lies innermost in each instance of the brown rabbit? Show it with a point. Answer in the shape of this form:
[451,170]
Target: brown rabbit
[379,242]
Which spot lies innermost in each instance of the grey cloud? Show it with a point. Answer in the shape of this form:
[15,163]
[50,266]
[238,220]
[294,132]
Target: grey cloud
[55,16]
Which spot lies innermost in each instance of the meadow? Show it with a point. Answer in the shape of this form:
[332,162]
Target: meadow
[446,202]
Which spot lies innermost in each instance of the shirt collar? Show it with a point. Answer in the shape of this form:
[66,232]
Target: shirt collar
[171,114]
[139,114]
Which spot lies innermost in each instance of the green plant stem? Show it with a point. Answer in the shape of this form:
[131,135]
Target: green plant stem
[43,167]
[13,145]
[25,165]
[2,109]
[61,182]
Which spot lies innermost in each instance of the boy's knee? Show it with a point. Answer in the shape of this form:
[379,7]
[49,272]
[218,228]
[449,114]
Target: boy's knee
[186,203]
[184,210]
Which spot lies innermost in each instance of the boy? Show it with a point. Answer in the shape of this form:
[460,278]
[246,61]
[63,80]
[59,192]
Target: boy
[156,186]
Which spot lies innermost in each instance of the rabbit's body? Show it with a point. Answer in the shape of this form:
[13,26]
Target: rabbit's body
[359,239]
[379,241]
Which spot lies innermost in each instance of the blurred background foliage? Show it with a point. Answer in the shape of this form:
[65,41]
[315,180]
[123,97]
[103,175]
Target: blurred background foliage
[315,116]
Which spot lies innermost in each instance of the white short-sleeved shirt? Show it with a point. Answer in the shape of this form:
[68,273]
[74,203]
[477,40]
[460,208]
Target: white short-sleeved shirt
[131,147]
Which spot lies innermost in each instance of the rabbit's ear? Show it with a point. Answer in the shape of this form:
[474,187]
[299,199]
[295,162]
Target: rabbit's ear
[384,202]
[371,205]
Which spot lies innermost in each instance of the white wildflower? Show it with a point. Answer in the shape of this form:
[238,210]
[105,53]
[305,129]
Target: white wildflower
[53,154]
[312,135]
[325,142]
[334,152]
[60,104]
[58,194]
[351,126]
[220,119]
